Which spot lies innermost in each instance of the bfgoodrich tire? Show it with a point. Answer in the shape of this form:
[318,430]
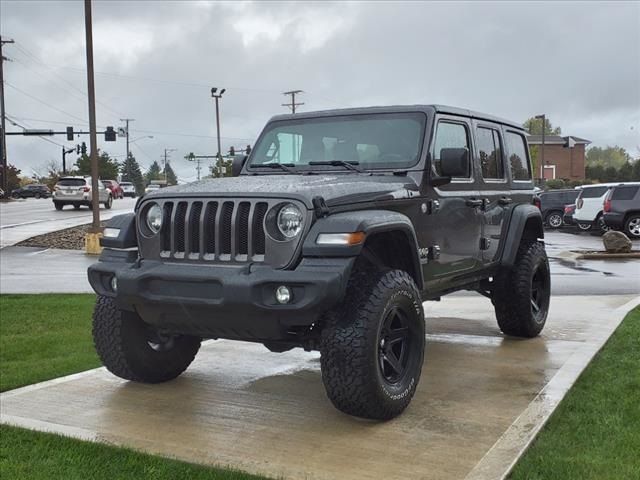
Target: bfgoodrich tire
[133,350]
[372,345]
[521,294]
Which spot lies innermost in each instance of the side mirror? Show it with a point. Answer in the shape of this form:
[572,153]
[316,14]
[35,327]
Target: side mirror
[237,164]
[454,162]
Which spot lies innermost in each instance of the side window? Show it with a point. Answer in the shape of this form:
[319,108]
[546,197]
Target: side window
[624,193]
[490,153]
[449,135]
[518,157]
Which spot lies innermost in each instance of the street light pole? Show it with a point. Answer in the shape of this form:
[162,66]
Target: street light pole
[4,169]
[542,117]
[218,96]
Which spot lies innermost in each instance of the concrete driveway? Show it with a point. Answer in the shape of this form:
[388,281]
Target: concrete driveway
[481,400]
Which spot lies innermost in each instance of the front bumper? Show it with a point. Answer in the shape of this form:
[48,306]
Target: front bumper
[221,301]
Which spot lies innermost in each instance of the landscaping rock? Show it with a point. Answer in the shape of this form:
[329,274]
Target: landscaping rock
[67,239]
[616,242]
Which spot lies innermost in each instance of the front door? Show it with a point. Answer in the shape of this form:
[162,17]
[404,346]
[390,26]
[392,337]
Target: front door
[451,228]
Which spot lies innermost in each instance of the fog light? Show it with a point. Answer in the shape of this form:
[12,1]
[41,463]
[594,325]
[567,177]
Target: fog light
[283,294]
[114,284]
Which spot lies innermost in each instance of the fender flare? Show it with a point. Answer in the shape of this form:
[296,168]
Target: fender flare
[126,237]
[521,215]
[370,222]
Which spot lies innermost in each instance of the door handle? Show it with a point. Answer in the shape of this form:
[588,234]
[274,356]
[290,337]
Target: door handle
[505,200]
[474,202]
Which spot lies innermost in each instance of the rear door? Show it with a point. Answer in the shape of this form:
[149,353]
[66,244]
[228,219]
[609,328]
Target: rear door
[494,186]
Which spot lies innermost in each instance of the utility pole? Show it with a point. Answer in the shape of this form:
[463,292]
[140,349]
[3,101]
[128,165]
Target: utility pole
[127,120]
[3,139]
[93,236]
[167,151]
[542,117]
[293,103]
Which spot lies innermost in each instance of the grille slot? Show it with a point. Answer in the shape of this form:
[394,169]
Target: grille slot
[214,231]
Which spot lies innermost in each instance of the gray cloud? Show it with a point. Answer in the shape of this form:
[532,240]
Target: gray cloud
[577,62]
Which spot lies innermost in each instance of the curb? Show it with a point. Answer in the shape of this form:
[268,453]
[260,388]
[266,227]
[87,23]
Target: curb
[573,255]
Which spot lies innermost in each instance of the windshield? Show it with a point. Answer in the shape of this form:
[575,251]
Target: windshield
[376,141]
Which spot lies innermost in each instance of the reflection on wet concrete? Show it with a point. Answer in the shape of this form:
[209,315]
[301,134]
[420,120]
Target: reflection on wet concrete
[243,406]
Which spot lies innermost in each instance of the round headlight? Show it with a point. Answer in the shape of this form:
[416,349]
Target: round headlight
[289,220]
[154,218]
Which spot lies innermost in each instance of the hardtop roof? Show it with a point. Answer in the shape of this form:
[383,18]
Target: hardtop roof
[429,109]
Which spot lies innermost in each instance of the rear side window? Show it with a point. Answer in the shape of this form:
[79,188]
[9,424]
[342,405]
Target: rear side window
[624,193]
[71,182]
[490,153]
[593,192]
[518,158]
[449,135]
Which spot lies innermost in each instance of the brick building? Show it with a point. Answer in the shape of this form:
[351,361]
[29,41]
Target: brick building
[564,157]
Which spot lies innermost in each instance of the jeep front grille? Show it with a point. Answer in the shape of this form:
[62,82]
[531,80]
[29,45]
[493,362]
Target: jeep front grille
[214,230]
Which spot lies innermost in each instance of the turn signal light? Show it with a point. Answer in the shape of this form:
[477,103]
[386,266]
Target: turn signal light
[353,238]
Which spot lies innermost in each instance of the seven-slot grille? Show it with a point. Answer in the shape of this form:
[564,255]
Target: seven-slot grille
[215,230]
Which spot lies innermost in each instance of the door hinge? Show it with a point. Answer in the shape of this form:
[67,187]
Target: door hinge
[433,206]
[485,243]
[434,252]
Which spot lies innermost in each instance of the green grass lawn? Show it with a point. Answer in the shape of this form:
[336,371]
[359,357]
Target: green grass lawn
[48,336]
[595,432]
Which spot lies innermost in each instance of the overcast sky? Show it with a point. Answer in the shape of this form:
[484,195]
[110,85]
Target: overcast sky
[156,61]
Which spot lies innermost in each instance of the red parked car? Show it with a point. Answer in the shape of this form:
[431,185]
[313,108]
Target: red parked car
[116,189]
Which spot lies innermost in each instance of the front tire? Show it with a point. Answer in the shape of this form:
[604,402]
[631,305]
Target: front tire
[134,350]
[521,294]
[58,205]
[108,203]
[372,345]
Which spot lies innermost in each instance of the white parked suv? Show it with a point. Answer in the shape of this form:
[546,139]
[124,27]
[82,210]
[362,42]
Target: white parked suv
[76,191]
[589,205]
[128,189]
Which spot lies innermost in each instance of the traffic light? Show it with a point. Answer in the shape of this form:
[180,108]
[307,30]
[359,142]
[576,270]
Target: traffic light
[248,150]
[70,134]
[232,151]
[110,135]
[77,149]
[83,148]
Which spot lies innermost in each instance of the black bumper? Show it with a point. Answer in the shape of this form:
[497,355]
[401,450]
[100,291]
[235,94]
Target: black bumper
[614,220]
[224,302]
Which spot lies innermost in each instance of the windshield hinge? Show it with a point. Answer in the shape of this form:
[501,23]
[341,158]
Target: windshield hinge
[320,206]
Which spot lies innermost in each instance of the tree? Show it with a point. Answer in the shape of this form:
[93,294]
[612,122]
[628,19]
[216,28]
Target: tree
[534,127]
[170,175]
[607,157]
[153,173]
[107,167]
[610,174]
[131,173]
[636,171]
[226,168]
[625,174]
[13,178]
[595,172]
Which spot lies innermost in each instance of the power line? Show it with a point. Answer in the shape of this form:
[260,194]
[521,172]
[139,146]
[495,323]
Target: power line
[13,122]
[43,102]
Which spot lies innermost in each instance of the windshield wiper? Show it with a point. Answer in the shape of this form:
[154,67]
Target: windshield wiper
[282,166]
[351,165]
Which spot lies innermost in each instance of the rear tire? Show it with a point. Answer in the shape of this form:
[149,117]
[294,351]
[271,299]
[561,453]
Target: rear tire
[133,350]
[372,345]
[632,226]
[58,205]
[521,294]
[554,220]
[76,206]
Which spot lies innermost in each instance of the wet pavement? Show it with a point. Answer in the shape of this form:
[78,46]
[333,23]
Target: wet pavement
[481,400]
[22,219]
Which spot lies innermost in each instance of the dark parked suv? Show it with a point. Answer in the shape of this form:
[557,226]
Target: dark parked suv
[335,230]
[35,190]
[552,205]
[622,209]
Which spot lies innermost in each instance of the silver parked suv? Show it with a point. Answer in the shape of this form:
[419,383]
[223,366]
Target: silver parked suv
[76,191]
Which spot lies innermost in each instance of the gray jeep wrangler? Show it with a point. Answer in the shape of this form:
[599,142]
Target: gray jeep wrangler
[333,232]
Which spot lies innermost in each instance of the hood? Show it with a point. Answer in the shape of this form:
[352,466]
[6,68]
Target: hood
[335,189]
